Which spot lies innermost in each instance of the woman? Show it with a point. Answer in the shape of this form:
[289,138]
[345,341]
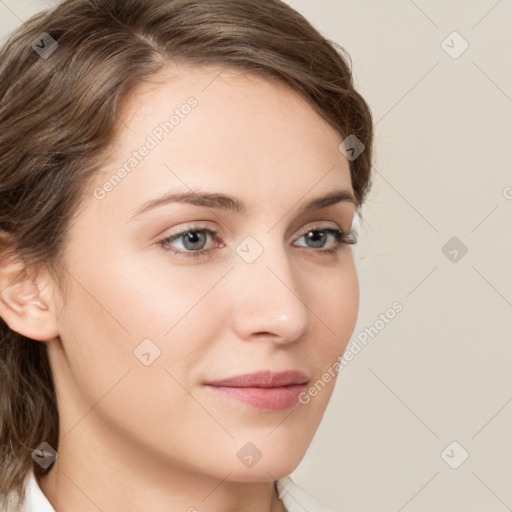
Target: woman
[179,186]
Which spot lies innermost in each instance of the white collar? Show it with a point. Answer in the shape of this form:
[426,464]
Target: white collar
[35,500]
[296,498]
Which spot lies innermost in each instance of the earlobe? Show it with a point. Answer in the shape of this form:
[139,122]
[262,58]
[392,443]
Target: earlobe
[25,302]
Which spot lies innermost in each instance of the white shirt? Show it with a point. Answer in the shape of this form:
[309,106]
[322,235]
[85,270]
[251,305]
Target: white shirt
[294,497]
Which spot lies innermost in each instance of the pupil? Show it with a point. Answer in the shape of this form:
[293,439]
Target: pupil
[190,238]
[316,234]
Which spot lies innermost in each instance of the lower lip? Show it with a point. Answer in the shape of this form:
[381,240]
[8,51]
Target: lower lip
[270,399]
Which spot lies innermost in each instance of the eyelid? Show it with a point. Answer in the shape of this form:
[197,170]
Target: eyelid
[192,226]
[318,225]
[205,225]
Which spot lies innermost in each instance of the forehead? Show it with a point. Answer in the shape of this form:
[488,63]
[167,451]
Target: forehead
[226,129]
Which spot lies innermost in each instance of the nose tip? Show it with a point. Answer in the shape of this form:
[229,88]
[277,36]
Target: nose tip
[277,312]
[279,339]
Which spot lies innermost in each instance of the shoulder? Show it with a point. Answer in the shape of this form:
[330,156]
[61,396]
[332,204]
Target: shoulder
[297,499]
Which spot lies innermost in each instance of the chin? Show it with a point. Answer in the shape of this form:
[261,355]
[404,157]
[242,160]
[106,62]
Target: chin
[273,459]
[263,473]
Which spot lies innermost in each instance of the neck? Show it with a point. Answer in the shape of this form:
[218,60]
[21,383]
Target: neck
[77,483]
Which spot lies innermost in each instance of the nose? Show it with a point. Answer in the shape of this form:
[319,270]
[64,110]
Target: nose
[270,301]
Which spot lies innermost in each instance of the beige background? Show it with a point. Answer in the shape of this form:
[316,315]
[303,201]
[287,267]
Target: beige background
[440,370]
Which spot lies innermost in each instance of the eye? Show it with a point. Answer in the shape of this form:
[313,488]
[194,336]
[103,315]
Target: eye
[318,235]
[194,239]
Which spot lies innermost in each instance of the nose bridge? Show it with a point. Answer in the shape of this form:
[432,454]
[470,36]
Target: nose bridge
[270,298]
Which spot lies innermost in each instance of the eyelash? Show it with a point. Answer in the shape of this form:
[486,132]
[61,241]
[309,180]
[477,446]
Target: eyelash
[341,237]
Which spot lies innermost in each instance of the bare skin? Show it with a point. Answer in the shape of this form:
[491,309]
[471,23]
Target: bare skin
[153,437]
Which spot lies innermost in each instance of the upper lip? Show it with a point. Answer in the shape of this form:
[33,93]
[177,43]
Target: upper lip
[263,379]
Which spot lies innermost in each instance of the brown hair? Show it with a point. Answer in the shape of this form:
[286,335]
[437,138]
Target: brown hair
[58,114]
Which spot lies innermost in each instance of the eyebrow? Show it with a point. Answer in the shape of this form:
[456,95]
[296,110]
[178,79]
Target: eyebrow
[229,203]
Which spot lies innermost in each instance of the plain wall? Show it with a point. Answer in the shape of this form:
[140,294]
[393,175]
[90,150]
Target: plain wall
[439,371]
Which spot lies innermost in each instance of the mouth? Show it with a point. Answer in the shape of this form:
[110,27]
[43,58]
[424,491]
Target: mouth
[264,390]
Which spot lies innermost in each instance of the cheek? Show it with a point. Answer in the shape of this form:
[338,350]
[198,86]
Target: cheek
[118,317]
[113,323]
[335,306]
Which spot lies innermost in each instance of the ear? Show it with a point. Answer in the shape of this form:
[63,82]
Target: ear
[26,301]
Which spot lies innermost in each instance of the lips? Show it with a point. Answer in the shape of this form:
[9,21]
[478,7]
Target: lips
[263,379]
[264,390]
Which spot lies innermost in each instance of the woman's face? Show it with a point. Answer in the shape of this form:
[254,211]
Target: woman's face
[145,324]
